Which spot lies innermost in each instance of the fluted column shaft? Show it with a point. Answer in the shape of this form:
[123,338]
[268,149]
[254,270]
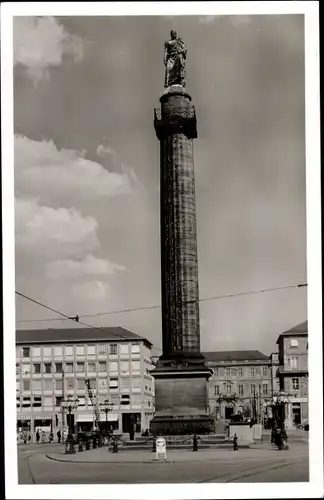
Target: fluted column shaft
[176,128]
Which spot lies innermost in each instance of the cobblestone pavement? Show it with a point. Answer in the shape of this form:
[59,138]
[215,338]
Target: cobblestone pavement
[265,464]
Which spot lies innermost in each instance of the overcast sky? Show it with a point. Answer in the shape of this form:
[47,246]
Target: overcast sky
[87,171]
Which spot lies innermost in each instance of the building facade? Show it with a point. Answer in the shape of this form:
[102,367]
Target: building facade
[293,372]
[274,361]
[54,364]
[241,382]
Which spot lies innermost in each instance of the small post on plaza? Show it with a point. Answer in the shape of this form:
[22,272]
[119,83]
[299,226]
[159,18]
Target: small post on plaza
[115,445]
[80,448]
[235,440]
[71,405]
[220,406]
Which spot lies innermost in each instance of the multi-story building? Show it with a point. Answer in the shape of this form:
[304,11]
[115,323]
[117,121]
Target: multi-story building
[53,364]
[241,382]
[293,372]
[274,362]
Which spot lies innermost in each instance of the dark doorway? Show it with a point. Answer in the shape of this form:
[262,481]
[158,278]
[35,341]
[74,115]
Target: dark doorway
[85,426]
[296,415]
[229,410]
[131,421]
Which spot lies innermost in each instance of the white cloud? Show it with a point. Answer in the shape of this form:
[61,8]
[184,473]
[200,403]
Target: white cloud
[94,291]
[40,43]
[106,151]
[41,169]
[56,211]
[73,269]
[49,232]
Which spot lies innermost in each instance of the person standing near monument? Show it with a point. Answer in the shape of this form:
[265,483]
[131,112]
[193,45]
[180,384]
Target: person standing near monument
[175,54]
[43,437]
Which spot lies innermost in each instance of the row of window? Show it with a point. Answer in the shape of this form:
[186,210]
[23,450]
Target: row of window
[228,390]
[79,384]
[292,362]
[240,371]
[39,401]
[79,350]
[79,367]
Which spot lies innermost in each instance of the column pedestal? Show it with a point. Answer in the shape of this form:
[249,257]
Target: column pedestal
[181,402]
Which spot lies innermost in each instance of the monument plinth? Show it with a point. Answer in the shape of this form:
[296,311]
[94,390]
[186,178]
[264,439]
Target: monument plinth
[181,399]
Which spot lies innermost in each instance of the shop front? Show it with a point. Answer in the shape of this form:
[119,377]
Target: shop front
[297,411]
[85,422]
[23,425]
[24,434]
[28,425]
[41,425]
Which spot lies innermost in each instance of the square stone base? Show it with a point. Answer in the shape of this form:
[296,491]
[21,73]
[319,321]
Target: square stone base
[181,403]
[163,426]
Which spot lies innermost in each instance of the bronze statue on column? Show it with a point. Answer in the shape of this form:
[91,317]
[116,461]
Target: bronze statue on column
[175,54]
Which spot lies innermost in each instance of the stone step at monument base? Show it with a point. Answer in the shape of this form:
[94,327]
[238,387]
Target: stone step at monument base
[180,442]
[227,445]
[217,438]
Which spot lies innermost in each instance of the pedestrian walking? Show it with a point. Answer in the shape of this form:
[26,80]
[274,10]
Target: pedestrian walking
[43,437]
[51,437]
[37,437]
[235,440]
[58,436]
[195,443]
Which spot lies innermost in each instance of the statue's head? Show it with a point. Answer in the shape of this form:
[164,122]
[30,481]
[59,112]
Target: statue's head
[173,34]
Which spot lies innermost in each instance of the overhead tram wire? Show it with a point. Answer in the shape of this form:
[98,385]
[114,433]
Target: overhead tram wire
[74,318]
[135,309]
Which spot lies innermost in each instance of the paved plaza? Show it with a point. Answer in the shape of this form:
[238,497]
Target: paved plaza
[48,464]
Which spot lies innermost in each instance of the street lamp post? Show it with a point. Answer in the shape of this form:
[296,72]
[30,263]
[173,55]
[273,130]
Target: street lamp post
[70,405]
[278,404]
[106,406]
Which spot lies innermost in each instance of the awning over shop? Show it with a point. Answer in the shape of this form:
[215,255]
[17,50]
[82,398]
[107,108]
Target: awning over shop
[88,417]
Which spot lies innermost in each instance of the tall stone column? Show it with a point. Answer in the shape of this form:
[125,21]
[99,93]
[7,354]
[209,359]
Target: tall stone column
[181,400]
[179,267]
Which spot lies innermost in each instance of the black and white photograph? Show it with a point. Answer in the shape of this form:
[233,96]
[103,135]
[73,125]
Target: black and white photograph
[161,232]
